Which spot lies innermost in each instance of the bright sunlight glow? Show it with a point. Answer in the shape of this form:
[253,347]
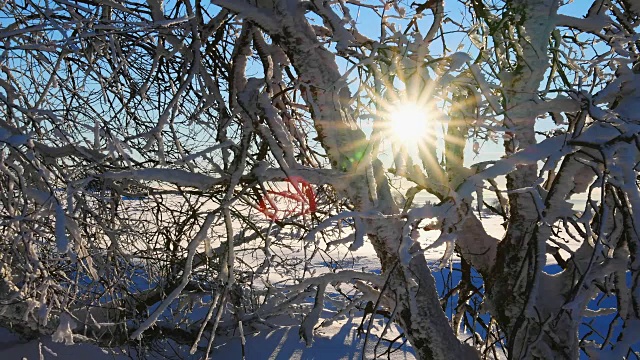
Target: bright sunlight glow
[408,121]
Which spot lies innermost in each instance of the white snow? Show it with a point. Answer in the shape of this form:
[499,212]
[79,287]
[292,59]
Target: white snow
[333,334]
[62,241]
[64,332]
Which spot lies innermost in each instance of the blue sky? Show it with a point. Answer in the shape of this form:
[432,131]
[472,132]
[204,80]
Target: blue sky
[369,25]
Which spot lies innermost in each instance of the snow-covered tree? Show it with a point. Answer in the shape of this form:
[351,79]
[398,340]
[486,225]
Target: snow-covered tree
[162,158]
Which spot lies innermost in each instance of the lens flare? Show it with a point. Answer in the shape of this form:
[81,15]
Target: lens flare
[408,121]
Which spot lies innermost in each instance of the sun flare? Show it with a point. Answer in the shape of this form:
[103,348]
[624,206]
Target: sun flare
[408,121]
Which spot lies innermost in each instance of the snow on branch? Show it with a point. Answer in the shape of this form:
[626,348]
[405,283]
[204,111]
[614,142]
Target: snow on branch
[310,175]
[174,176]
[341,276]
[341,36]
[310,321]
[527,156]
[204,152]
[594,23]
[262,17]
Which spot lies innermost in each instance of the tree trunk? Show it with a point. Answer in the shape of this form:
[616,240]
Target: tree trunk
[517,274]
[420,315]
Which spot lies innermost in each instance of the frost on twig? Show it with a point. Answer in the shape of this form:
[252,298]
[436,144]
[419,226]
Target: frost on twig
[124,124]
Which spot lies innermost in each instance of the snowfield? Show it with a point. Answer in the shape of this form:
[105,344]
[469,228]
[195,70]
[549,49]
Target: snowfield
[337,337]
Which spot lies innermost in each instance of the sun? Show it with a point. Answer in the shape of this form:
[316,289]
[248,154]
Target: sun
[408,121]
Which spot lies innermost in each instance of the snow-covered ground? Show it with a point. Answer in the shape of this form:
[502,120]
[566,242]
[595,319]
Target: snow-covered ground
[339,339]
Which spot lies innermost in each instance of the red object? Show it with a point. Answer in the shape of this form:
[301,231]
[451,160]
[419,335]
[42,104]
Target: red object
[298,198]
